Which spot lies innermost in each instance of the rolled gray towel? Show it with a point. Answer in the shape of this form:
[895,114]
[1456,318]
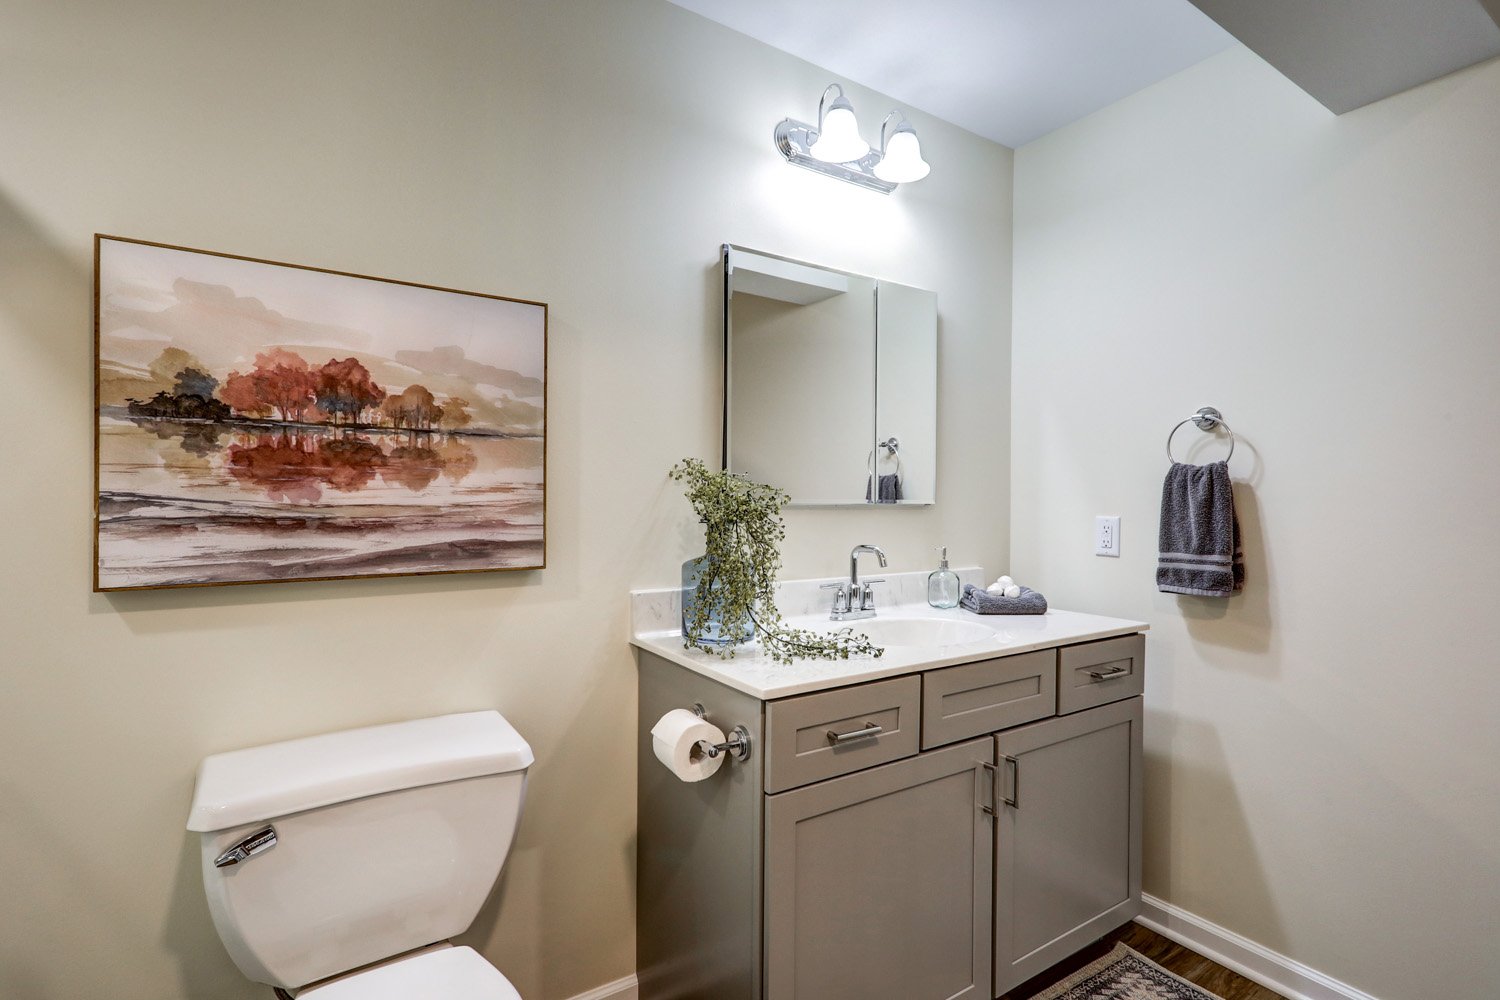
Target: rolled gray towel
[982,602]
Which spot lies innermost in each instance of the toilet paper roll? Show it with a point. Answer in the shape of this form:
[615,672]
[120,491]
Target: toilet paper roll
[674,739]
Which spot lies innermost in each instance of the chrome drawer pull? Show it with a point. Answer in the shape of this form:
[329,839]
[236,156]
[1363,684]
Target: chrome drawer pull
[1104,675]
[870,731]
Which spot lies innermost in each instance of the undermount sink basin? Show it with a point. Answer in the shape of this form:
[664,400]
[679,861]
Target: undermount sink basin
[922,631]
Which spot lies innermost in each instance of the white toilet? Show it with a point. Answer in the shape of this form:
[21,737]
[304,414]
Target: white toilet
[338,866]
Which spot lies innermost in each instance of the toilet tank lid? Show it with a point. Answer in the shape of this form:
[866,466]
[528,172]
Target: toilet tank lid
[262,783]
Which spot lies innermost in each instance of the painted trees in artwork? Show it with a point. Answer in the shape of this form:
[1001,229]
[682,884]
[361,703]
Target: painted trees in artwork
[345,390]
[391,411]
[170,362]
[169,406]
[456,415]
[421,407]
[284,387]
[194,382]
[414,409]
[191,396]
[286,382]
[243,393]
[281,382]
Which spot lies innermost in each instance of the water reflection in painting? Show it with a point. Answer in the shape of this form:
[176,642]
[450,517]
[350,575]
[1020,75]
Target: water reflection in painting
[230,452]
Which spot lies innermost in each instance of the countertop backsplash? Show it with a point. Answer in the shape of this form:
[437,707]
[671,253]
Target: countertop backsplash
[660,611]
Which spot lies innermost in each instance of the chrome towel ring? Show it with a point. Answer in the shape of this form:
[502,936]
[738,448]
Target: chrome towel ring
[892,449]
[1207,418]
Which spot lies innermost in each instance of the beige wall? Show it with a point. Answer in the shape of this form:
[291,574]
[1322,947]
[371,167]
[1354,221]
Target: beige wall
[593,155]
[1322,749]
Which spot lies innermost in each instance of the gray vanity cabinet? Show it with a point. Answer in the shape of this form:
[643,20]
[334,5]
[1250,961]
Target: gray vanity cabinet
[882,882]
[1068,836]
[941,834]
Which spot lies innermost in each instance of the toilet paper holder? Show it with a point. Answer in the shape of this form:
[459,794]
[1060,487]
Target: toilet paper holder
[737,746]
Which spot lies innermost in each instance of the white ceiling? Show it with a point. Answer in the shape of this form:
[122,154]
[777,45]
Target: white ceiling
[1009,70]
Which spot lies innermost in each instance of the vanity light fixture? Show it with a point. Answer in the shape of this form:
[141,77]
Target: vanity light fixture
[834,146]
[900,152]
[838,138]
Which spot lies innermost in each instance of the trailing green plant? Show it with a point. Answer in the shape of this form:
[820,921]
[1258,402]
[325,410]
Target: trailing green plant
[737,581]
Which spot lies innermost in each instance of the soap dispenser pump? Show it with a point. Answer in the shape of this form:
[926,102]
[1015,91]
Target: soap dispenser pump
[942,584]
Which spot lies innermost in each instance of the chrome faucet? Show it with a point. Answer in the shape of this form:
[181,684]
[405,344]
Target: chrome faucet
[855,599]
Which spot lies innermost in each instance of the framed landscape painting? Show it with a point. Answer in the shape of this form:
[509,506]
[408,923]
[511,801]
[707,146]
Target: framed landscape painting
[261,422]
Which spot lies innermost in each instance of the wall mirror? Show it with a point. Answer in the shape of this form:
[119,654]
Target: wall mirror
[830,382]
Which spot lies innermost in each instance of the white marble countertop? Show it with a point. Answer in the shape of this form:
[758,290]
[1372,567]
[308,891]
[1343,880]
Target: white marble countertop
[656,623]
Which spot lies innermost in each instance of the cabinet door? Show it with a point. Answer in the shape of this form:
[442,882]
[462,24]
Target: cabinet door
[1068,836]
[879,884]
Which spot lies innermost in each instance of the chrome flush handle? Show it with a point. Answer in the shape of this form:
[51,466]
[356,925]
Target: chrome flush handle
[256,843]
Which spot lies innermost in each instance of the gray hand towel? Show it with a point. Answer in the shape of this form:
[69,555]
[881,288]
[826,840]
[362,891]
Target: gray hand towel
[1199,545]
[982,602]
[889,489]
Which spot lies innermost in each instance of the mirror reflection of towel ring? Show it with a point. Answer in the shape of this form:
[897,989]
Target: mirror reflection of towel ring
[892,449]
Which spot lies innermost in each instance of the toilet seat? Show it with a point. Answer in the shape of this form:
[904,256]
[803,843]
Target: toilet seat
[447,972]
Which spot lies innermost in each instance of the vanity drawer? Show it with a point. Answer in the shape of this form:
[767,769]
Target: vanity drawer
[978,698]
[807,738]
[1096,673]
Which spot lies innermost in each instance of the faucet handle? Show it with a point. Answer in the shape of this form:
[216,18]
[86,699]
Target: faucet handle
[866,595]
[843,599]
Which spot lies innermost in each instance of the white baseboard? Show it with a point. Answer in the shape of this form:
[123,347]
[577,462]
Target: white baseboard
[1271,969]
[620,989]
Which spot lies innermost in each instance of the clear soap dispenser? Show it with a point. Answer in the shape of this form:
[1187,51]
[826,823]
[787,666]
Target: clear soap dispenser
[942,584]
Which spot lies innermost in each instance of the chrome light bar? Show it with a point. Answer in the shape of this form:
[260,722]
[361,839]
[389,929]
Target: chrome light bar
[795,139]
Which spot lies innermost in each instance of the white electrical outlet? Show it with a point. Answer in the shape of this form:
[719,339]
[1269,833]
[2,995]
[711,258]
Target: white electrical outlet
[1107,536]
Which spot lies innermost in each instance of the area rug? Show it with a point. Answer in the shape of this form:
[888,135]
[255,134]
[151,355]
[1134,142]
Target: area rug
[1124,974]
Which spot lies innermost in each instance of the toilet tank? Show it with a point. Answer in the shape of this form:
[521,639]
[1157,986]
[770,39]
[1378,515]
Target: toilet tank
[387,838]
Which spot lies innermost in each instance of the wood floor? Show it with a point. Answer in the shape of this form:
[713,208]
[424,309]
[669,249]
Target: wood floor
[1164,952]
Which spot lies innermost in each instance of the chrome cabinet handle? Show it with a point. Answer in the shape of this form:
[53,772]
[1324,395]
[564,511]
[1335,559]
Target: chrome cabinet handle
[870,731]
[1104,675]
[1014,798]
[260,840]
[985,766]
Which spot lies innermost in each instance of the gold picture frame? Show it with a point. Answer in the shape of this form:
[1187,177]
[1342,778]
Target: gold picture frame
[227,451]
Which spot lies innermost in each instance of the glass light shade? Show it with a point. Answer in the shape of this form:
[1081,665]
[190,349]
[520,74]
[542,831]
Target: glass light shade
[902,161]
[838,136]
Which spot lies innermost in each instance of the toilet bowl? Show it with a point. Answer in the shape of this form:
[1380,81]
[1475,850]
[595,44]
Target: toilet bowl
[338,866]
[440,971]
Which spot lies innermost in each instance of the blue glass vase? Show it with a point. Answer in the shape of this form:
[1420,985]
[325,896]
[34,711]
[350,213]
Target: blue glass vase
[691,571]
